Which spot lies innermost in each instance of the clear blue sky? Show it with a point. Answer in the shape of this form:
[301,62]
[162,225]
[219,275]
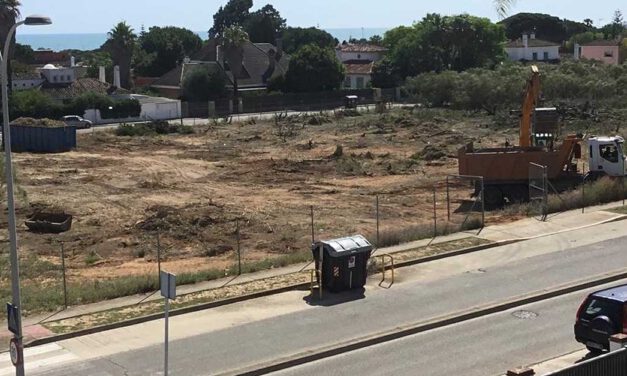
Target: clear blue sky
[97,16]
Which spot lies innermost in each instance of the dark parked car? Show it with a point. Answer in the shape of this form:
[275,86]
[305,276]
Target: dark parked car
[601,315]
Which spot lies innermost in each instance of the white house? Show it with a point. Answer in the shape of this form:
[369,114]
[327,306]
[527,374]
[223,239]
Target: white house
[26,81]
[358,60]
[58,75]
[531,49]
[152,108]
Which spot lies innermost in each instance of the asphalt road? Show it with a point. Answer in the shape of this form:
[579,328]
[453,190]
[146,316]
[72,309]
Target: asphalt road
[203,350]
[482,347]
[235,118]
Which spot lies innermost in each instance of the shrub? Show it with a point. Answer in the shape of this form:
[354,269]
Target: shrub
[160,127]
[203,85]
[30,122]
[501,88]
[391,237]
[36,104]
[126,108]
[92,258]
[597,192]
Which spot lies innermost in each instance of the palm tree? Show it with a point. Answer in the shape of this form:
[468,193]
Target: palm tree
[9,13]
[121,44]
[503,6]
[232,41]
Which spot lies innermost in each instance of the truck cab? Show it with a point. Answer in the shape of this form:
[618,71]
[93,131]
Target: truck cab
[606,156]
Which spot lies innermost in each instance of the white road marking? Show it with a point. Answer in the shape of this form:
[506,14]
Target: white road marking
[37,357]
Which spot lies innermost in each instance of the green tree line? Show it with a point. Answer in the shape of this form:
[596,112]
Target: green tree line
[501,89]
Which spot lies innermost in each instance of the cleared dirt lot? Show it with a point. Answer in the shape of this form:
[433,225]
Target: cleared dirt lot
[192,188]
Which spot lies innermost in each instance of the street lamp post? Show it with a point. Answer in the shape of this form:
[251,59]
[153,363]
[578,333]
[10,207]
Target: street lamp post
[6,135]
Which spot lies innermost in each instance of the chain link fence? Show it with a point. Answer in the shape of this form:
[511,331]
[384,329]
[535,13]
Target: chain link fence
[538,191]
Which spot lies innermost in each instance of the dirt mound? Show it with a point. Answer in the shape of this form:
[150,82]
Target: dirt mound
[31,122]
[431,153]
[181,220]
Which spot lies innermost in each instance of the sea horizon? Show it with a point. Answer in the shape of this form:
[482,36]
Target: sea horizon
[92,41]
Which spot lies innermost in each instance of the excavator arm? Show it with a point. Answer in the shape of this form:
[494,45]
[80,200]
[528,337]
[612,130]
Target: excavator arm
[532,94]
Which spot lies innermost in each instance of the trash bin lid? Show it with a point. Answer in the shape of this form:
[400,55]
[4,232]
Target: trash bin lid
[345,246]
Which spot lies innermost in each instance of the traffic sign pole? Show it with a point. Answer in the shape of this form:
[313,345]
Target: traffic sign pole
[168,291]
[167,310]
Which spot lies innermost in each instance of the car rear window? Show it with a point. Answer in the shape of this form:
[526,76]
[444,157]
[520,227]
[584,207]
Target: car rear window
[602,307]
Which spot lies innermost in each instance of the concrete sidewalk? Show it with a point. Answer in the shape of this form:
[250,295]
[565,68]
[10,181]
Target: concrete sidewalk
[553,365]
[530,228]
[520,230]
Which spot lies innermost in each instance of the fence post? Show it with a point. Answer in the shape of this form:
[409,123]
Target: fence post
[435,217]
[159,257]
[377,211]
[313,232]
[583,193]
[482,203]
[448,200]
[239,252]
[212,109]
[622,183]
[64,277]
[545,184]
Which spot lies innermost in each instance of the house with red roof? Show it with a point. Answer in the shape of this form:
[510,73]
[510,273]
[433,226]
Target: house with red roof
[359,60]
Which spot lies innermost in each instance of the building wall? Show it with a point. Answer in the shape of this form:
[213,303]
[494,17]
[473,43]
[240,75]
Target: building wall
[372,56]
[353,81]
[168,92]
[517,54]
[150,111]
[161,111]
[601,53]
[27,84]
[59,75]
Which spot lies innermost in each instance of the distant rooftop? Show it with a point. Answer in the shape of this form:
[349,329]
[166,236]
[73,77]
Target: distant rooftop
[531,43]
[602,43]
[360,47]
[358,66]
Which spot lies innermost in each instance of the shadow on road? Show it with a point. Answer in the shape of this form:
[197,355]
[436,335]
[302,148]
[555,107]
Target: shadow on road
[330,299]
[588,356]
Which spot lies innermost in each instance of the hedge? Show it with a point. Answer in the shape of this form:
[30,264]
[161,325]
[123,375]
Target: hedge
[35,104]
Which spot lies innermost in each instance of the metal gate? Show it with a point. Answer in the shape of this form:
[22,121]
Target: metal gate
[465,204]
[612,364]
[538,191]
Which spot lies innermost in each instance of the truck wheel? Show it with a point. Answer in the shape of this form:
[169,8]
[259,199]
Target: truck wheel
[493,197]
[518,194]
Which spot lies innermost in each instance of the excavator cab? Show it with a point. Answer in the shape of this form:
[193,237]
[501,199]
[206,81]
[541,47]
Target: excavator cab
[606,156]
[545,127]
[539,126]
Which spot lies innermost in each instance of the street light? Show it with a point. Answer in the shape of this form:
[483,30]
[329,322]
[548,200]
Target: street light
[15,270]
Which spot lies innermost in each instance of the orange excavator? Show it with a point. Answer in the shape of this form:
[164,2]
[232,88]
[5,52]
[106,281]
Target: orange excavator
[532,95]
[506,170]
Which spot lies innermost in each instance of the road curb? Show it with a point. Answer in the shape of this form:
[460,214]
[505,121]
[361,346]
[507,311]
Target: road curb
[157,316]
[219,303]
[261,294]
[401,332]
[460,252]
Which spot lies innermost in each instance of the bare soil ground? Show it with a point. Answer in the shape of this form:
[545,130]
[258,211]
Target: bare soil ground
[192,188]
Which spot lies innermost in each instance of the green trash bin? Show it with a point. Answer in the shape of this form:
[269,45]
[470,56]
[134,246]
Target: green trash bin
[344,262]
